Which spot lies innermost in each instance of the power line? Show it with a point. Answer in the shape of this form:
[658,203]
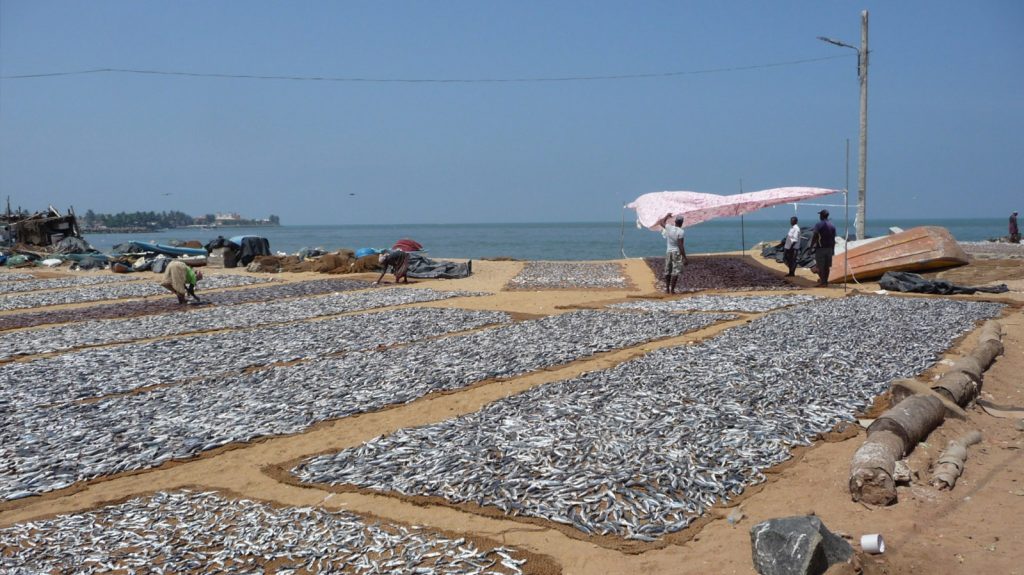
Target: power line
[424,80]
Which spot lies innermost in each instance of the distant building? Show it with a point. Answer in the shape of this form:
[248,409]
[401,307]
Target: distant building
[233,219]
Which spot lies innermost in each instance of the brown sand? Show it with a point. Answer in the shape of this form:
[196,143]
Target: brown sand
[976,528]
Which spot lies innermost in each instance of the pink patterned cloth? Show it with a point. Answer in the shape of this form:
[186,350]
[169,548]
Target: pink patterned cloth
[698,207]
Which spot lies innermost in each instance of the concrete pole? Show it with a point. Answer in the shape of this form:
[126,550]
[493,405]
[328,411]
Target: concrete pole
[862,182]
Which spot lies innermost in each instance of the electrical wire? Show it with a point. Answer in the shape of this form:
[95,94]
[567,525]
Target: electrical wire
[422,80]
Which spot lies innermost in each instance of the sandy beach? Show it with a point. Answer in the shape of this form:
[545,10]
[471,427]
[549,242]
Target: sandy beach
[977,527]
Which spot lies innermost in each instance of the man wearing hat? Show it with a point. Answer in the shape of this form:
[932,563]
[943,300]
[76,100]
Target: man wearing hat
[1014,230]
[675,250]
[823,240]
[181,279]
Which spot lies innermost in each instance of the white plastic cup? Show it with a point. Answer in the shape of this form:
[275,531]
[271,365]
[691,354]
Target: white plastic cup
[872,543]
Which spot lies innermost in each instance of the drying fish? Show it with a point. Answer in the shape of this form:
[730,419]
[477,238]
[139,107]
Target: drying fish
[993,250]
[721,272]
[166,305]
[58,283]
[186,531]
[15,276]
[568,275]
[118,291]
[642,449]
[746,304]
[49,448]
[119,369]
[101,332]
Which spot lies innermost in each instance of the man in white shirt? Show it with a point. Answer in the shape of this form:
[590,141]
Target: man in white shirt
[792,246]
[675,251]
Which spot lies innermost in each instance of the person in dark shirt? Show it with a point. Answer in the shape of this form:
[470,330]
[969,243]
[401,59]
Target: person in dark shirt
[1014,230]
[398,261]
[823,240]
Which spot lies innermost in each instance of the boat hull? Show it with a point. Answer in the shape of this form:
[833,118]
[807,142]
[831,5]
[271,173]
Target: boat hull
[917,249]
[172,251]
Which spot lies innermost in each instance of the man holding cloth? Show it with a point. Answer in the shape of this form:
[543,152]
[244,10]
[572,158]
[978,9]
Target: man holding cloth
[675,250]
[823,241]
[792,246]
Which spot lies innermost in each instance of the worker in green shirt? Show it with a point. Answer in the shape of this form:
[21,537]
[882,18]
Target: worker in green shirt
[181,279]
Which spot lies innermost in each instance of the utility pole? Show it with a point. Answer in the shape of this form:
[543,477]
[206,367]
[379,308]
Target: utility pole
[862,75]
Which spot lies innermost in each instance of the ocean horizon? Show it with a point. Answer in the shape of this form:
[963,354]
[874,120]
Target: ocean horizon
[540,241]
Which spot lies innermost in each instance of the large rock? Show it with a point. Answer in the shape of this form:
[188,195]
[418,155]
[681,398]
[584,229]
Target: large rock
[796,546]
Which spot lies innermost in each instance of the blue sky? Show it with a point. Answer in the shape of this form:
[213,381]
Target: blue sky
[946,106]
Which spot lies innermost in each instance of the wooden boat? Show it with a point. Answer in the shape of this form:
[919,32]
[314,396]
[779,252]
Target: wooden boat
[917,249]
[171,251]
[193,261]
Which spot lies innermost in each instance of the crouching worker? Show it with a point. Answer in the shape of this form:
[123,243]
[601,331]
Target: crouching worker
[181,279]
[398,261]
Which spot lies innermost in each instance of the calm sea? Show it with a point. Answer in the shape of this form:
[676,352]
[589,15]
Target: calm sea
[549,241]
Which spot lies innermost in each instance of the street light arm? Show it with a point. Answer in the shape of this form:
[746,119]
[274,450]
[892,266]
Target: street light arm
[838,43]
[861,57]
[862,74]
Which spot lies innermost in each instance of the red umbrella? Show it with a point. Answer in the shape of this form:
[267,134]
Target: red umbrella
[407,245]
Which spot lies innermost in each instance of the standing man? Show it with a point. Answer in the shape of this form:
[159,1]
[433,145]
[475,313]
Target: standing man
[675,251]
[181,279]
[1014,230]
[792,246]
[824,243]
